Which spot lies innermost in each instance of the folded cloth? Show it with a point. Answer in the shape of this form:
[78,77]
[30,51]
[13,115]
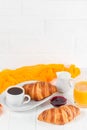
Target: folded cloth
[42,72]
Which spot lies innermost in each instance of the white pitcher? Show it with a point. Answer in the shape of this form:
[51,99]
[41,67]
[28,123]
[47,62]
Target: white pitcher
[63,81]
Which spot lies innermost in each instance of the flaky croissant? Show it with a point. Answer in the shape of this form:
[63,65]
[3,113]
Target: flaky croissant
[1,109]
[60,116]
[39,90]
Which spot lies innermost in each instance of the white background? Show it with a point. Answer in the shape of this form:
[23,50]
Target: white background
[43,31]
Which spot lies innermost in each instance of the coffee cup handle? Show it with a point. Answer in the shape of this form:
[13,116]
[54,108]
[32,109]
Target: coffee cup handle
[26,99]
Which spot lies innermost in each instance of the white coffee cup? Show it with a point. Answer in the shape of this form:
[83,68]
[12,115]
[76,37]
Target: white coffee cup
[63,81]
[16,96]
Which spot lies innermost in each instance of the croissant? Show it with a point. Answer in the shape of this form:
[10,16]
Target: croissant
[39,90]
[60,116]
[1,109]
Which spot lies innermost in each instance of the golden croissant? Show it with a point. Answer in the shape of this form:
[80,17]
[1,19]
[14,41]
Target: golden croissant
[60,116]
[39,90]
[1,109]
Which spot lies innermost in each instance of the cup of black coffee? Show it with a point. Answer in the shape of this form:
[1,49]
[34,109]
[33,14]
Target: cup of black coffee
[16,96]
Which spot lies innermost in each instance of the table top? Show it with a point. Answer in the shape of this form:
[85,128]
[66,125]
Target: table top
[28,119]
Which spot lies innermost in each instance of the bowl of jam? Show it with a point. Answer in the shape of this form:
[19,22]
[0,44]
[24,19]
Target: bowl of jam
[58,101]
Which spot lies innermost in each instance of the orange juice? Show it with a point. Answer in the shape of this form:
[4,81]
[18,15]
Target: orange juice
[80,93]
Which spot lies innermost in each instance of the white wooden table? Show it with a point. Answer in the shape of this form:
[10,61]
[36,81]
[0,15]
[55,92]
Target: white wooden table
[28,120]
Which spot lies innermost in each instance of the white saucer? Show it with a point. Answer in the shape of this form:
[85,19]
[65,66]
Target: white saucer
[32,104]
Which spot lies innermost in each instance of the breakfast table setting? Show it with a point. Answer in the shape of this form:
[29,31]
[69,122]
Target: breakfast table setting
[48,97]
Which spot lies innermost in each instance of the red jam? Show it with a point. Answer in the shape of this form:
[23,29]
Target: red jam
[58,101]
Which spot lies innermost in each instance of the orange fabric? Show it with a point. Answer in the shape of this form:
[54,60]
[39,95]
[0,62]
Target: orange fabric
[40,72]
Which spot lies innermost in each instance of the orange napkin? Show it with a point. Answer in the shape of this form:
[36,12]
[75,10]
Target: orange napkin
[40,72]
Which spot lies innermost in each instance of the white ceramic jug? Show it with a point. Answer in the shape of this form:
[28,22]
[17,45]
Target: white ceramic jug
[63,81]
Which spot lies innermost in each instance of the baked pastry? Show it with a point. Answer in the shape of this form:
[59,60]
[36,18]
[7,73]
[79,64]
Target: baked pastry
[60,116]
[1,109]
[39,90]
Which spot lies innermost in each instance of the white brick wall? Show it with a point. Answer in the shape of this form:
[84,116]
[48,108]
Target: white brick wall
[43,31]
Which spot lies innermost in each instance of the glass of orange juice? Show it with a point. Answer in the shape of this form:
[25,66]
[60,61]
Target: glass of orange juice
[80,93]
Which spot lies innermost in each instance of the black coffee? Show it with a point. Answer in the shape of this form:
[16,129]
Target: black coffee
[15,91]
